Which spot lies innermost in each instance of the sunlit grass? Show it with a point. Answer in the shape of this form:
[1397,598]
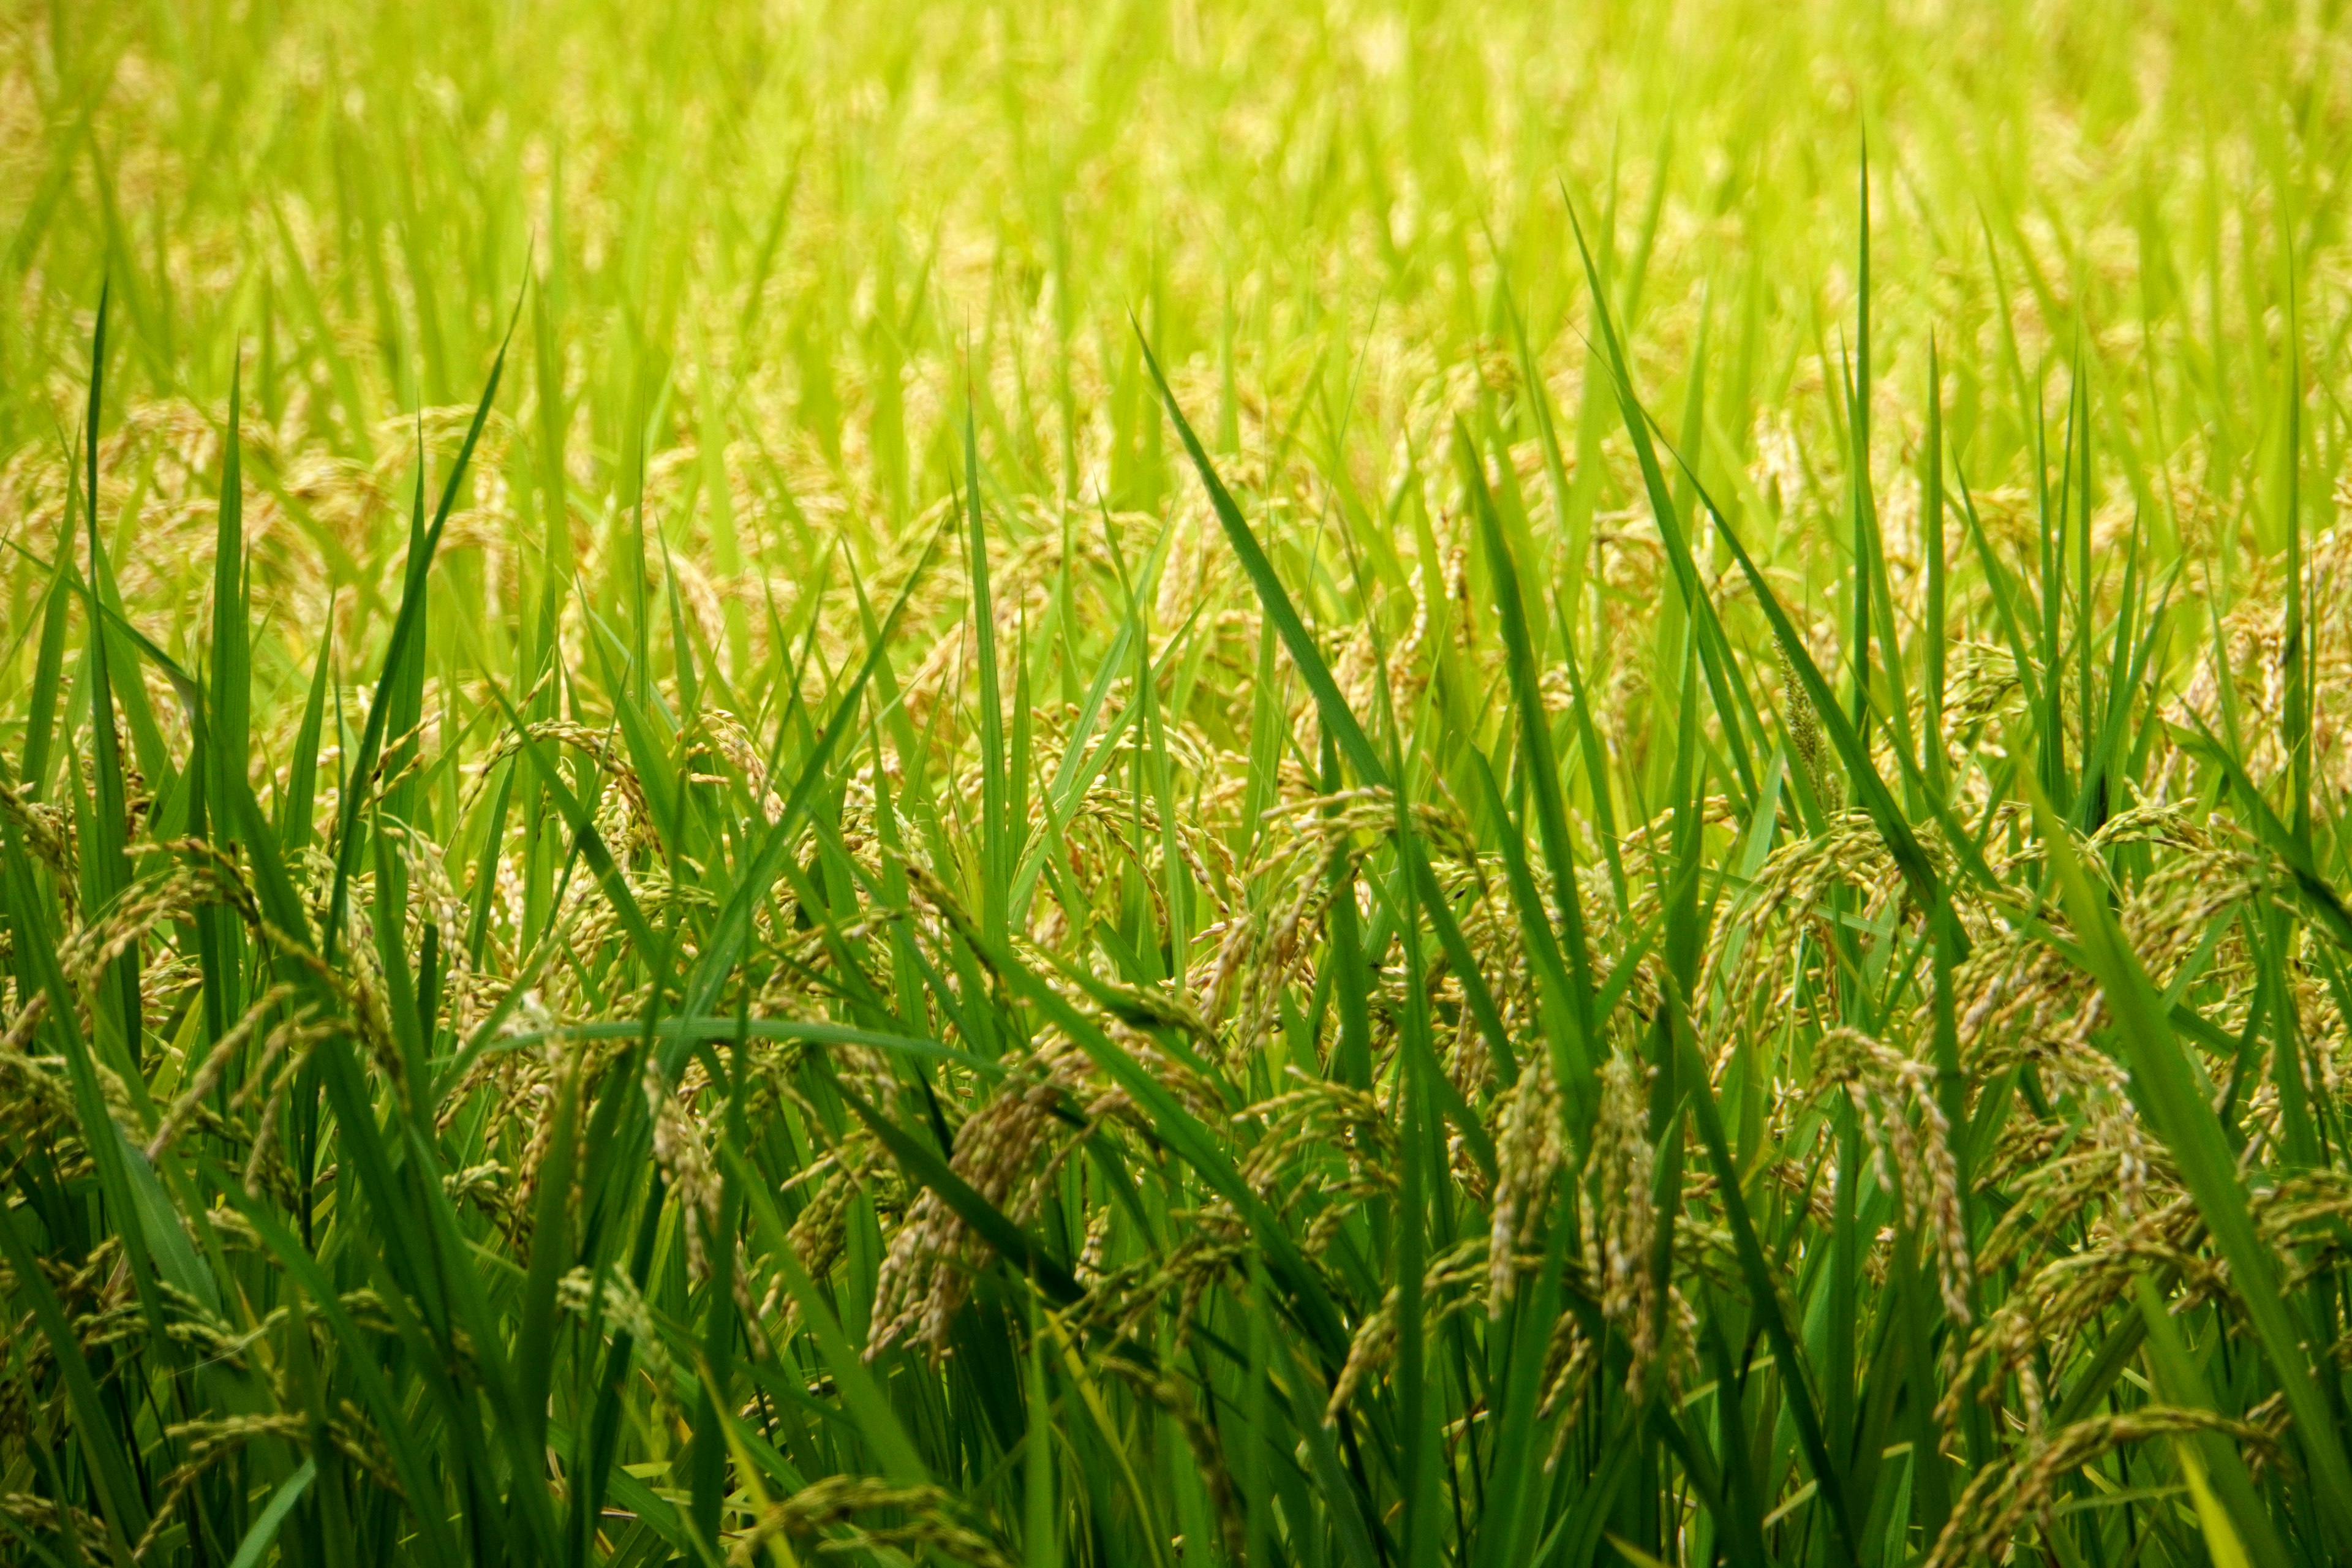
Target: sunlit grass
[1173,785]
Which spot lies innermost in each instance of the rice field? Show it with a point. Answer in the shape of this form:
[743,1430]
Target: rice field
[1175,785]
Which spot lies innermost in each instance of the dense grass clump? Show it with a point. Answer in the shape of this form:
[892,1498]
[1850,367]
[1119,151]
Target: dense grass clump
[1330,789]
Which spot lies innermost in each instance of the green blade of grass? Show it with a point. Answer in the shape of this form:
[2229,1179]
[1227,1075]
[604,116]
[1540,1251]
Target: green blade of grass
[262,1534]
[1732,707]
[1341,721]
[2179,1383]
[994,854]
[1534,739]
[2186,1122]
[106,862]
[232,661]
[399,659]
[550,1255]
[41,717]
[1765,1303]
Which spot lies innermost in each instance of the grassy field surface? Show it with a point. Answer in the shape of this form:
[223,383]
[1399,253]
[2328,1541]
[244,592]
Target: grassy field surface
[1162,785]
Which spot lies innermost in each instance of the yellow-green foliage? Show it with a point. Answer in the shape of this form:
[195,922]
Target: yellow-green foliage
[1174,783]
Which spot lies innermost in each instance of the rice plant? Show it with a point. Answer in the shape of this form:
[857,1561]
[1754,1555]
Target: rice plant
[1196,785]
